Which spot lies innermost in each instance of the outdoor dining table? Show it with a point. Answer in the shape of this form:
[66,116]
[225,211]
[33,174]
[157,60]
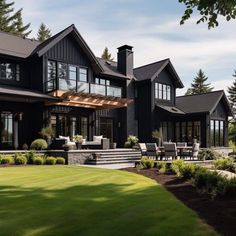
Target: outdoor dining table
[180,149]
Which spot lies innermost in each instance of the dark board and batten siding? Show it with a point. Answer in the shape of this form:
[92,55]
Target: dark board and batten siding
[68,51]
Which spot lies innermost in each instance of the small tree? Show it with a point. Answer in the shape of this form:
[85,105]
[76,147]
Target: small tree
[43,33]
[199,86]
[106,55]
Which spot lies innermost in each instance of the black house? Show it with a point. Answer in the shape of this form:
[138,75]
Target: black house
[61,83]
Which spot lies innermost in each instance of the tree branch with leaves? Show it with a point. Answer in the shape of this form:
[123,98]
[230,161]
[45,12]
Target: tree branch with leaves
[209,10]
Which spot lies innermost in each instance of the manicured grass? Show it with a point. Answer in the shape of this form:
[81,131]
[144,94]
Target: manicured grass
[69,200]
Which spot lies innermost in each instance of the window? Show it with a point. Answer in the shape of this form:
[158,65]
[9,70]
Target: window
[51,78]
[217,132]
[83,75]
[9,71]
[65,83]
[188,131]
[162,91]
[6,130]
[102,81]
[72,72]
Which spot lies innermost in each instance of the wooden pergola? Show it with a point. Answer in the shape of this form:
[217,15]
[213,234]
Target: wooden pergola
[88,100]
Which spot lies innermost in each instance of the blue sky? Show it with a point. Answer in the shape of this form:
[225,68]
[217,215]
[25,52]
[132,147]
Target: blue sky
[151,27]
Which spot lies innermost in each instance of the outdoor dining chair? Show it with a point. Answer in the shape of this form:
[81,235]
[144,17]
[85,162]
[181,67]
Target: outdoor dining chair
[170,150]
[152,150]
[143,148]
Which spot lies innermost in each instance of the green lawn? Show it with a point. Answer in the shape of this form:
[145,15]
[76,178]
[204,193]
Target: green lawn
[70,200]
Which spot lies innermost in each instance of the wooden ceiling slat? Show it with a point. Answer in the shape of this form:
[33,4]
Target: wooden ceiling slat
[96,101]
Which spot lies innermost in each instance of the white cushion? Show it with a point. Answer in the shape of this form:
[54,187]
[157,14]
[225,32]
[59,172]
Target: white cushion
[67,138]
[84,141]
[70,143]
[97,138]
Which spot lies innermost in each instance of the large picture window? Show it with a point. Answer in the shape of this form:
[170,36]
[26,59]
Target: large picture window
[162,91]
[188,131]
[9,71]
[217,132]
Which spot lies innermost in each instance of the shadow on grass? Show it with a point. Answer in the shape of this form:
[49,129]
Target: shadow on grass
[106,209]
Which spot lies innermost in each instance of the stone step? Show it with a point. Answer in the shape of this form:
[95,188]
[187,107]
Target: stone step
[103,162]
[119,156]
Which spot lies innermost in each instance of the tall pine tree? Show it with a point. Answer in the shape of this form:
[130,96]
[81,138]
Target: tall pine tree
[199,86]
[232,95]
[19,27]
[43,33]
[106,55]
[6,24]
[11,21]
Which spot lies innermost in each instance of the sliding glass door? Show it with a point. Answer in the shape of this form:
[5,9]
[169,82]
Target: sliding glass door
[106,128]
[66,125]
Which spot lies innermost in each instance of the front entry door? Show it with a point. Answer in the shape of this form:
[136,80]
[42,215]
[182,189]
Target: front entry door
[106,128]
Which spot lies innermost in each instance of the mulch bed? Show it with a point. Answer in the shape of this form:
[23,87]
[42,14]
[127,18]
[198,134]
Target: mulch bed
[218,213]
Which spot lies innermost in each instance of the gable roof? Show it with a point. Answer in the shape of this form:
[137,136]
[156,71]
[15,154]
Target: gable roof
[152,70]
[16,46]
[49,43]
[202,103]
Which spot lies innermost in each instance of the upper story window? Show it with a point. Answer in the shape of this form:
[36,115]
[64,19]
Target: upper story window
[162,91]
[51,79]
[10,71]
[83,75]
[66,76]
[102,81]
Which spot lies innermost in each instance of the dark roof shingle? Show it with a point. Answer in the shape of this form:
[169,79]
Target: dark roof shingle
[16,46]
[110,68]
[201,103]
[147,71]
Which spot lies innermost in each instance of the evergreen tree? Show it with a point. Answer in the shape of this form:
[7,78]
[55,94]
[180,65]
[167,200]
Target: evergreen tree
[199,86]
[106,55]
[19,27]
[6,24]
[43,33]
[11,21]
[232,95]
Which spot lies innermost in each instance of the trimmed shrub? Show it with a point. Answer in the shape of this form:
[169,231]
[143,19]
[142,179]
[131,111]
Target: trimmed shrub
[38,160]
[50,161]
[176,165]
[187,171]
[208,154]
[162,167]
[20,159]
[30,157]
[39,144]
[225,164]
[229,188]
[146,163]
[132,139]
[7,159]
[60,161]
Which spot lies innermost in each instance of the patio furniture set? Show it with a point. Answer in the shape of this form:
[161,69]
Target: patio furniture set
[98,143]
[170,151]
